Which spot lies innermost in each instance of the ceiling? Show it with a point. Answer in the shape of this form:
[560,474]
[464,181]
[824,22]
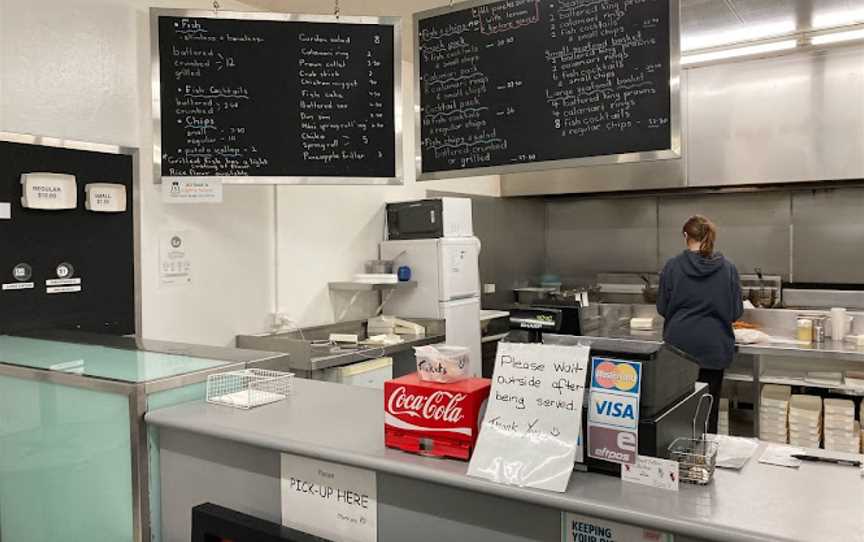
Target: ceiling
[704,23]
[710,23]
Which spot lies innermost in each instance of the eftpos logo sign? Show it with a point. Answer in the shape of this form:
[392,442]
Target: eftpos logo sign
[612,444]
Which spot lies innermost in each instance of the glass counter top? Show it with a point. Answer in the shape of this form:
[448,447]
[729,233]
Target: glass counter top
[121,364]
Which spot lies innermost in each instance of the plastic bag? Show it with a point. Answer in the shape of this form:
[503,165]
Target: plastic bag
[751,336]
[442,363]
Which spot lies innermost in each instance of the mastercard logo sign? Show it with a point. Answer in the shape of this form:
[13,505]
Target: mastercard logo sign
[616,376]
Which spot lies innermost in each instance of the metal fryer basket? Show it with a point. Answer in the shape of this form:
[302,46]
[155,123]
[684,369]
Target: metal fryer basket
[696,457]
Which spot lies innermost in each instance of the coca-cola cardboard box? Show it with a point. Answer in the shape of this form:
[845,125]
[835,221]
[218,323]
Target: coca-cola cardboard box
[431,418]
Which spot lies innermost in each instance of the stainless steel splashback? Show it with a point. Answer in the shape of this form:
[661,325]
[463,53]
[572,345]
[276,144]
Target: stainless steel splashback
[796,118]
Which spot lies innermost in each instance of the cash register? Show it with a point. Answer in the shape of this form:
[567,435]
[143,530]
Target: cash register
[669,396]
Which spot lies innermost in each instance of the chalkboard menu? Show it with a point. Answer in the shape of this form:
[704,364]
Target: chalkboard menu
[516,85]
[260,96]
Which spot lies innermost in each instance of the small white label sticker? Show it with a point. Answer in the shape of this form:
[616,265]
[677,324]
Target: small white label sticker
[19,286]
[191,191]
[62,289]
[5,210]
[63,282]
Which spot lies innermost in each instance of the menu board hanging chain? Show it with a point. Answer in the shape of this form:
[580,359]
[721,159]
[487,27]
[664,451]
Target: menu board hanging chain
[514,82]
[247,95]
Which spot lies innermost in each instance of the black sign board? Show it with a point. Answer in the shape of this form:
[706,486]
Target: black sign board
[70,269]
[244,95]
[516,85]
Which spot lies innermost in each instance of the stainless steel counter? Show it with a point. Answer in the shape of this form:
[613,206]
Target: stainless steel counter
[838,350]
[306,356]
[613,321]
[761,502]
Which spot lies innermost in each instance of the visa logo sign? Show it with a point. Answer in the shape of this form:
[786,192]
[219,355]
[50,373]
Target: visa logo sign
[613,409]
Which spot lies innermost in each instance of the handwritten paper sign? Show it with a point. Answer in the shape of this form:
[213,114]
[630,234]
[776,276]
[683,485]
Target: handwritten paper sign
[528,437]
[652,471]
[332,501]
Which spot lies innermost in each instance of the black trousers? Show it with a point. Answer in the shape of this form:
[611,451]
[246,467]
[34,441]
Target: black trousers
[714,379]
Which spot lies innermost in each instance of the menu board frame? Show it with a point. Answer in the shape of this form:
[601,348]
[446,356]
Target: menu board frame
[674,151]
[395,22]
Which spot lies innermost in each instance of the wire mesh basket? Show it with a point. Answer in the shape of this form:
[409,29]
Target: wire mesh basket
[248,388]
[696,457]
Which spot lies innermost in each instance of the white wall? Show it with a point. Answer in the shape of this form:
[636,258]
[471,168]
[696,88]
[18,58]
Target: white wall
[80,69]
[326,233]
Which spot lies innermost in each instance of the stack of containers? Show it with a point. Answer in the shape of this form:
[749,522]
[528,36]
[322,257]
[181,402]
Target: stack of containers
[842,432]
[861,424]
[723,417]
[773,413]
[805,421]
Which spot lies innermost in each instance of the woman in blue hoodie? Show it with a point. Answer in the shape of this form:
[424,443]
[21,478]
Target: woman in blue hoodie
[700,297]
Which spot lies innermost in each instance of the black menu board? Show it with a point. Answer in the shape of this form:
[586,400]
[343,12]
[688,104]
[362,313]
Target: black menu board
[255,97]
[513,83]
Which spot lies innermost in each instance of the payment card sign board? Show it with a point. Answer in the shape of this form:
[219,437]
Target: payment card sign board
[613,415]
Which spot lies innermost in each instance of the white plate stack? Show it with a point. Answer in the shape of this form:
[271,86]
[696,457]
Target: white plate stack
[842,432]
[773,413]
[805,421]
[723,417]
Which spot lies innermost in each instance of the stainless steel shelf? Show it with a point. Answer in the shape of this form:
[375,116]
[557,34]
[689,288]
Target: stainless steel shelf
[738,377]
[788,381]
[366,287]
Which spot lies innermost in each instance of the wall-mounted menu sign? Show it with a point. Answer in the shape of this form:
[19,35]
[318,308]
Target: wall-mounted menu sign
[256,97]
[519,85]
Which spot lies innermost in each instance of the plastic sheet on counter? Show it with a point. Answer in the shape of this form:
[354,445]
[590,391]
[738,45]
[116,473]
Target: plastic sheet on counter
[734,452]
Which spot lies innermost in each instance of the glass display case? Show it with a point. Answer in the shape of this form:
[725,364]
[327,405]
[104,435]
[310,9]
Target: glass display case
[75,456]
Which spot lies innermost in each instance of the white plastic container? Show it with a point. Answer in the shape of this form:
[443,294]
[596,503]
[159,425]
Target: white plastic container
[443,363]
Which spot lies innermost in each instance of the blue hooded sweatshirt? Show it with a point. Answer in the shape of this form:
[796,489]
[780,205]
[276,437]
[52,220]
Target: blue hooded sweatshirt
[700,298]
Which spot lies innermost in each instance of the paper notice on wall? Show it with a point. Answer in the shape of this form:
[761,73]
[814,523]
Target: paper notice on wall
[332,501]
[191,191]
[532,422]
[175,261]
[579,528]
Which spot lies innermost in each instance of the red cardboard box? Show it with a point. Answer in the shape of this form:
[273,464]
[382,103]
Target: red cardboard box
[431,418]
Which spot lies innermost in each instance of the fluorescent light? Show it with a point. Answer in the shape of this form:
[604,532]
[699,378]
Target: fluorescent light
[731,36]
[838,18]
[739,52]
[835,37]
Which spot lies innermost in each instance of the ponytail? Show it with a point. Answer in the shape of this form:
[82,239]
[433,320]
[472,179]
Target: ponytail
[701,229]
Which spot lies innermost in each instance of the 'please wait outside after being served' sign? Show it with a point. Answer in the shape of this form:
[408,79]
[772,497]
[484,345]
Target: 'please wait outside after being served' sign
[534,417]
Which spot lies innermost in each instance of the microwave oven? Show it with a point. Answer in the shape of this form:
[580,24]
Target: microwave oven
[429,219]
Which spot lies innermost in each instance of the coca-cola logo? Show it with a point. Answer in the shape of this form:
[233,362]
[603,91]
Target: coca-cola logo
[440,405]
